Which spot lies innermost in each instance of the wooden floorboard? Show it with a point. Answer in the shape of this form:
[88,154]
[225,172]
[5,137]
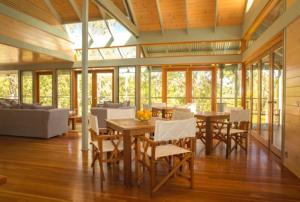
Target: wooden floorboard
[57,170]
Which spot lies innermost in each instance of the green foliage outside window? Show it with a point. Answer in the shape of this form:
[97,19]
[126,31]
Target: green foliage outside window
[104,87]
[229,85]
[176,88]
[45,90]
[202,89]
[127,84]
[63,89]
[9,85]
[27,87]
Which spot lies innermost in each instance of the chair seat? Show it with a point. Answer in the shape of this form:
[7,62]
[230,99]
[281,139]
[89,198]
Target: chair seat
[232,131]
[108,145]
[167,150]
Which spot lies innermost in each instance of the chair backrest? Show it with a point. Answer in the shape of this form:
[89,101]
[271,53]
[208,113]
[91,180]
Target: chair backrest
[159,104]
[174,129]
[121,113]
[93,124]
[229,109]
[242,115]
[179,114]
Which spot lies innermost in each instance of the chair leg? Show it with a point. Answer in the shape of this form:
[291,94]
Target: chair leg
[101,172]
[152,175]
[192,170]
[228,145]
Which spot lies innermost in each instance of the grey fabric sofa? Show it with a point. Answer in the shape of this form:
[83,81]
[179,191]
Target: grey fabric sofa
[40,123]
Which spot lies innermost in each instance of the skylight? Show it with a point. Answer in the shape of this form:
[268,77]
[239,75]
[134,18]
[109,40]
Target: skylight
[249,5]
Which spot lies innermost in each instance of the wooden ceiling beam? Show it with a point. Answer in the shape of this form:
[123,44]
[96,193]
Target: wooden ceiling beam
[53,11]
[216,15]
[159,16]
[187,16]
[76,9]
[129,7]
[116,13]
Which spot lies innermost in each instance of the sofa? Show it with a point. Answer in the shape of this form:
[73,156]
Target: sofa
[39,123]
[104,113]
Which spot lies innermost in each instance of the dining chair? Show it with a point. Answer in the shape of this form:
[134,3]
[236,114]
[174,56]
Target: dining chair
[155,112]
[173,145]
[106,147]
[237,132]
[179,114]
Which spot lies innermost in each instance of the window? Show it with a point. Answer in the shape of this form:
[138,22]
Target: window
[127,84]
[145,87]
[79,92]
[63,89]
[255,95]
[104,87]
[176,88]
[229,85]
[45,86]
[202,89]
[9,85]
[27,87]
[156,85]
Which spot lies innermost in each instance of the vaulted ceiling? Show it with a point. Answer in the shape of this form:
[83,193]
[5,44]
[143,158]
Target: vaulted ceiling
[150,15]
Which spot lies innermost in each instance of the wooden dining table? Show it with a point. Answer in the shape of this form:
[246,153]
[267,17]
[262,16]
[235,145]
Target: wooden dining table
[2,179]
[130,128]
[208,117]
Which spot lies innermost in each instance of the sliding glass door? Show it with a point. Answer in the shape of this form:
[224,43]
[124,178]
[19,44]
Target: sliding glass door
[104,86]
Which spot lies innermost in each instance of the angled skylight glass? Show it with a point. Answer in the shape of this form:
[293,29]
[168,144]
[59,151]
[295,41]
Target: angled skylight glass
[100,34]
[121,34]
[74,31]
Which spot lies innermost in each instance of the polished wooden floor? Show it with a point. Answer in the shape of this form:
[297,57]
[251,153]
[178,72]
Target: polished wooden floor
[57,170]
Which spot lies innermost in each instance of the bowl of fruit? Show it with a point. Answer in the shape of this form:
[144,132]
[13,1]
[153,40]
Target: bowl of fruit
[144,115]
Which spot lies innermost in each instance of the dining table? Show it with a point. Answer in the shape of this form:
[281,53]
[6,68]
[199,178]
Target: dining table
[208,117]
[2,179]
[130,128]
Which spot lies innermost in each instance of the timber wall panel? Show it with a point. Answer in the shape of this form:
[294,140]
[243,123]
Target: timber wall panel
[292,117]
[17,30]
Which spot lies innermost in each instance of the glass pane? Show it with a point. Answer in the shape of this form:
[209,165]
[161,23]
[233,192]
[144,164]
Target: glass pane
[120,33]
[202,90]
[127,84]
[110,53]
[145,87]
[27,87]
[278,95]
[63,89]
[156,85]
[9,85]
[229,85]
[128,52]
[248,86]
[265,91]
[176,87]
[79,92]
[255,96]
[104,87]
[45,89]
[99,33]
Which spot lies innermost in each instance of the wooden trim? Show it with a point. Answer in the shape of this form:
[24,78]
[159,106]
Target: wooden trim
[214,89]
[189,85]
[244,85]
[94,89]
[265,48]
[164,84]
[260,18]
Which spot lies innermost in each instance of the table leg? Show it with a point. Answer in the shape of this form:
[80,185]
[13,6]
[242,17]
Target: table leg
[127,158]
[208,137]
[73,124]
